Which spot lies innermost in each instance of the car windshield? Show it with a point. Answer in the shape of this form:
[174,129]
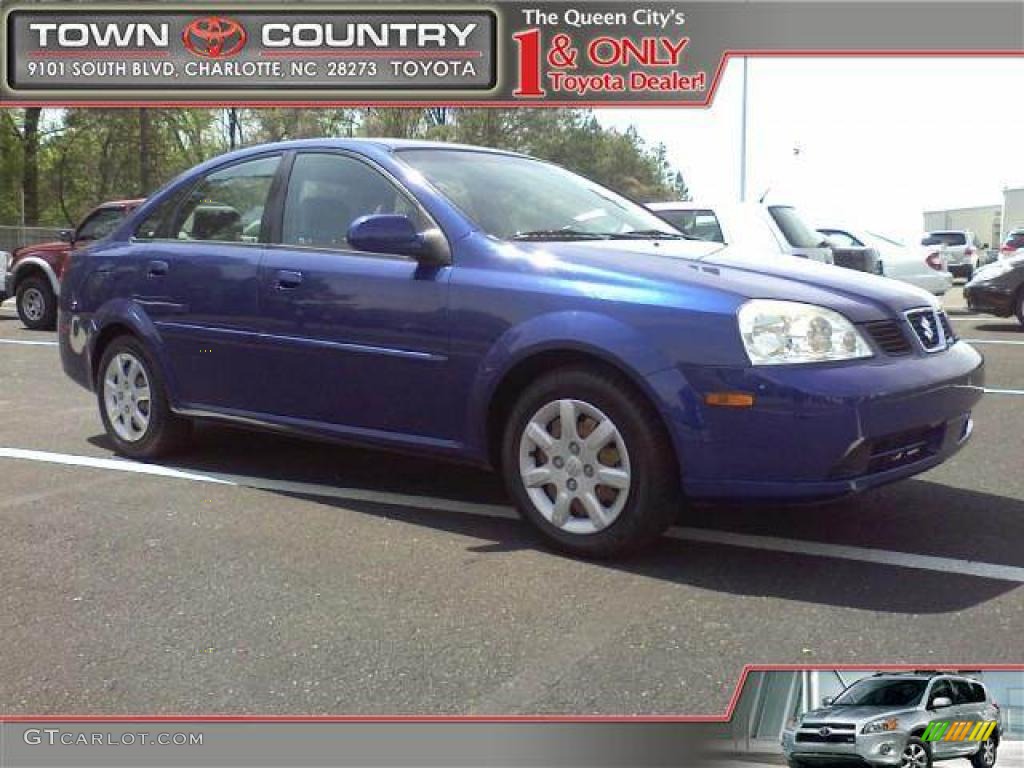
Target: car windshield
[882,693]
[796,230]
[944,238]
[513,197]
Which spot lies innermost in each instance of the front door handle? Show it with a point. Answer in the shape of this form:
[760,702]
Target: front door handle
[158,268]
[288,279]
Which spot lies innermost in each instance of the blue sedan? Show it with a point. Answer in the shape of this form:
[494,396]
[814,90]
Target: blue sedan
[496,309]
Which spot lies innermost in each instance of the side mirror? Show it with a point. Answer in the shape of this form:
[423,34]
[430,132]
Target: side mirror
[827,701]
[941,702]
[66,235]
[395,233]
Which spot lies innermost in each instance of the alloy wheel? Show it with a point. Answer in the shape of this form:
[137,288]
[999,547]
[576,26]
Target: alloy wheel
[126,396]
[575,467]
[988,752]
[33,304]
[914,756]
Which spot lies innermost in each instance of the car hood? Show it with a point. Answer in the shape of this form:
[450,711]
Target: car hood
[744,274]
[40,248]
[854,714]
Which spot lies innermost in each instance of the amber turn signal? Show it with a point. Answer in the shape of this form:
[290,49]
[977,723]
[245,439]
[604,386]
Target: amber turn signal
[729,399]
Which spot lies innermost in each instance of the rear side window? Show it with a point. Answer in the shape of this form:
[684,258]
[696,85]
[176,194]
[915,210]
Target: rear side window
[699,223]
[227,206]
[962,692]
[945,238]
[326,193]
[100,224]
[797,233]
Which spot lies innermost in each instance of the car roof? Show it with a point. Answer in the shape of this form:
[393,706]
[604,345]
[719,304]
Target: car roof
[379,143]
[127,203]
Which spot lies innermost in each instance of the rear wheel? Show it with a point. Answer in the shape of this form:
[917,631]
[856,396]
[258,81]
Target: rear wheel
[588,463]
[985,757]
[133,402]
[1020,306]
[37,304]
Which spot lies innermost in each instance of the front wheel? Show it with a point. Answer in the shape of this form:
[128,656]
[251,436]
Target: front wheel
[985,757]
[133,402]
[37,304]
[1020,306]
[588,463]
[915,754]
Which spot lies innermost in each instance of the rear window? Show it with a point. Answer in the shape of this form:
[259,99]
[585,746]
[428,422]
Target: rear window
[794,229]
[944,238]
[699,223]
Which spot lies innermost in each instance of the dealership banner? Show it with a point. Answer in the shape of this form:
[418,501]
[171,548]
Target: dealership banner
[525,54]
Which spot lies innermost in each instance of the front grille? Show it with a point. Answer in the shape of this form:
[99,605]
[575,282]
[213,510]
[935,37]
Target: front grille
[947,329]
[888,335]
[928,327]
[832,738]
[833,726]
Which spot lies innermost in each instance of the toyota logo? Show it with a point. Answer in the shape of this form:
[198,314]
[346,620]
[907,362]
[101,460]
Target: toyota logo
[825,732]
[214,37]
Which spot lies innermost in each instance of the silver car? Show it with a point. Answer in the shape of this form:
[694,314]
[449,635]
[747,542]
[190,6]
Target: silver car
[884,720]
[961,249]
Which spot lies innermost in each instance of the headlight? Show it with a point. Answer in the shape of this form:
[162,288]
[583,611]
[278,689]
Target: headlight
[793,723]
[881,726]
[787,332]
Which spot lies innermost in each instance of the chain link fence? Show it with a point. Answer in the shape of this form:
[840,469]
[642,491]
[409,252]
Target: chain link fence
[16,237]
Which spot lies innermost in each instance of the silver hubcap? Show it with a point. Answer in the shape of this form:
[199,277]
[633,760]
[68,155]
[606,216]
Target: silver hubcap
[33,303]
[575,466]
[126,397]
[914,756]
[988,752]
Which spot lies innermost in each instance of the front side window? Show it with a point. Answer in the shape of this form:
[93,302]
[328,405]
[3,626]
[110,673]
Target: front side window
[227,206]
[941,690]
[327,192]
[841,239]
[882,693]
[100,224]
[699,223]
[512,197]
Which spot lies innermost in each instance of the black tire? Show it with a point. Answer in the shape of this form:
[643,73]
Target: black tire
[653,498]
[915,741]
[980,759]
[794,763]
[33,292]
[165,432]
[1020,306]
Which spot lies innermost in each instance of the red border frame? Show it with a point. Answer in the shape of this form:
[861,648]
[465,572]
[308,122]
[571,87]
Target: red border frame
[722,718]
[525,103]
[541,103]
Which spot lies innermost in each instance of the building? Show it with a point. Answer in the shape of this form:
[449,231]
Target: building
[983,220]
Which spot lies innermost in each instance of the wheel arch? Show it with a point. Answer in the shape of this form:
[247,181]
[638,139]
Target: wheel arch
[33,266]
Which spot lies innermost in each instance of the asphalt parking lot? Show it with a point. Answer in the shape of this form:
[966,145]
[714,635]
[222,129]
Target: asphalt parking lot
[259,574]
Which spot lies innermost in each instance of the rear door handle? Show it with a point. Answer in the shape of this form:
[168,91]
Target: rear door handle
[158,268]
[288,279]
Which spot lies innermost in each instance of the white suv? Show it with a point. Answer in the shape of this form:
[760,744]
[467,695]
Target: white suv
[907,720]
[960,249]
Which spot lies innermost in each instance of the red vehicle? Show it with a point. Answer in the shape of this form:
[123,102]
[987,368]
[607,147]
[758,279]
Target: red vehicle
[35,270]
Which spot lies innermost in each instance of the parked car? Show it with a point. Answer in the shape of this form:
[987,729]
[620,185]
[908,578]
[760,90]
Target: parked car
[1013,245]
[5,261]
[768,229]
[921,267]
[963,252]
[884,720]
[499,310]
[34,272]
[998,289]
[849,252]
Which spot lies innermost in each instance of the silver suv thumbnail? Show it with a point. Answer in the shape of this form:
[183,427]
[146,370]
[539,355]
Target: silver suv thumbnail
[906,719]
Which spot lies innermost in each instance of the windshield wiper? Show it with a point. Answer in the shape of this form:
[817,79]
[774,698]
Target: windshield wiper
[558,234]
[652,234]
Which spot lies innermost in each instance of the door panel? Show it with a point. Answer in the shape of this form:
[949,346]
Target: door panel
[352,339]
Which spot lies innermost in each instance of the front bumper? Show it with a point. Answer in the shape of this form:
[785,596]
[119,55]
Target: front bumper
[818,432]
[990,298]
[876,749]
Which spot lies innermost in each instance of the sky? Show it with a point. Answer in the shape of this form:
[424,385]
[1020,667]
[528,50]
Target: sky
[861,142]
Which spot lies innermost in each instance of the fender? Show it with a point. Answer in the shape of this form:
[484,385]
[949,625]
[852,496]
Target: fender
[590,333]
[34,261]
[129,314]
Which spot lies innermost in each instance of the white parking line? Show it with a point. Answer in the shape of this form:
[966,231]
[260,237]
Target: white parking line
[29,343]
[989,391]
[703,535]
[995,341]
